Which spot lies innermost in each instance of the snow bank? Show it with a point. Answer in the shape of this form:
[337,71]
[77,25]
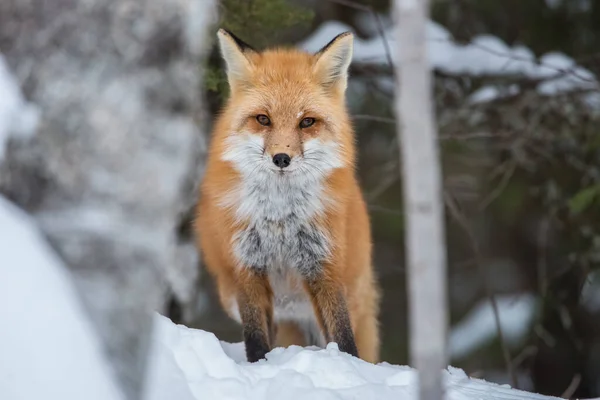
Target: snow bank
[189,364]
[50,351]
[479,326]
[17,117]
[485,55]
[47,347]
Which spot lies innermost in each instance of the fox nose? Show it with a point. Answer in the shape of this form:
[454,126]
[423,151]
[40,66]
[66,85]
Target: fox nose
[282,160]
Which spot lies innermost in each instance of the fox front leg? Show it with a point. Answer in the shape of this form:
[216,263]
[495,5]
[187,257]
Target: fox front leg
[255,302]
[332,311]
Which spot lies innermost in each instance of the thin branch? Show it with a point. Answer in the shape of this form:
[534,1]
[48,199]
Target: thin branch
[445,137]
[544,335]
[378,22]
[383,186]
[386,45]
[575,382]
[352,4]
[375,118]
[527,352]
[468,136]
[512,166]
[388,120]
[464,224]
[542,264]
[375,207]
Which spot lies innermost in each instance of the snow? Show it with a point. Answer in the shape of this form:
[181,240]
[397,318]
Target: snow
[17,117]
[484,55]
[578,5]
[485,94]
[50,339]
[190,364]
[45,336]
[590,294]
[479,326]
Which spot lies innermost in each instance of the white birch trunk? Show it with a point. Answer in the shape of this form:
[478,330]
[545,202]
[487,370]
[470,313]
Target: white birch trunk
[117,151]
[423,201]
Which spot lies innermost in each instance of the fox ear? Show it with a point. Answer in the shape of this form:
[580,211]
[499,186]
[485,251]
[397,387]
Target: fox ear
[334,59]
[234,51]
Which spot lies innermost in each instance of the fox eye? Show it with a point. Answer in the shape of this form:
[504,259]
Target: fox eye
[307,122]
[263,120]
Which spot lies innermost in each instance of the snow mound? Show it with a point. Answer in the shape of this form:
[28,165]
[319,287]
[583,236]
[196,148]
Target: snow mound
[484,55]
[190,364]
[48,348]
[478,328]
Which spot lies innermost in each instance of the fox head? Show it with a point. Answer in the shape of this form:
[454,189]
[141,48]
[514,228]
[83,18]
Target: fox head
[286,114]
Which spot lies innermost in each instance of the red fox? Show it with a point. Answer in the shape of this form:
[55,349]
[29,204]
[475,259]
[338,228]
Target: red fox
[281,221]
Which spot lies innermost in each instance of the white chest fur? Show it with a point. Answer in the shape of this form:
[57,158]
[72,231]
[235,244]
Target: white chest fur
[280,208]
[281,232]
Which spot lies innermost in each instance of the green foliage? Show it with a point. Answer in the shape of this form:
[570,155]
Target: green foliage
[215,81]
[260,23]
[584,199]
[595,142]
[511,199]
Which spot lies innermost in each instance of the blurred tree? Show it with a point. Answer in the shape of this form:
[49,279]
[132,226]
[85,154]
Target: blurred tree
[425,240]
[116,155]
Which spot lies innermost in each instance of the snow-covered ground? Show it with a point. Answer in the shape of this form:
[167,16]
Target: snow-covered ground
[191,364]
[50,351]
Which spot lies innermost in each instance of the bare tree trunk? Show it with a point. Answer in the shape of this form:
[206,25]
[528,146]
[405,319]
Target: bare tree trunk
[117,153]
[423,202]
